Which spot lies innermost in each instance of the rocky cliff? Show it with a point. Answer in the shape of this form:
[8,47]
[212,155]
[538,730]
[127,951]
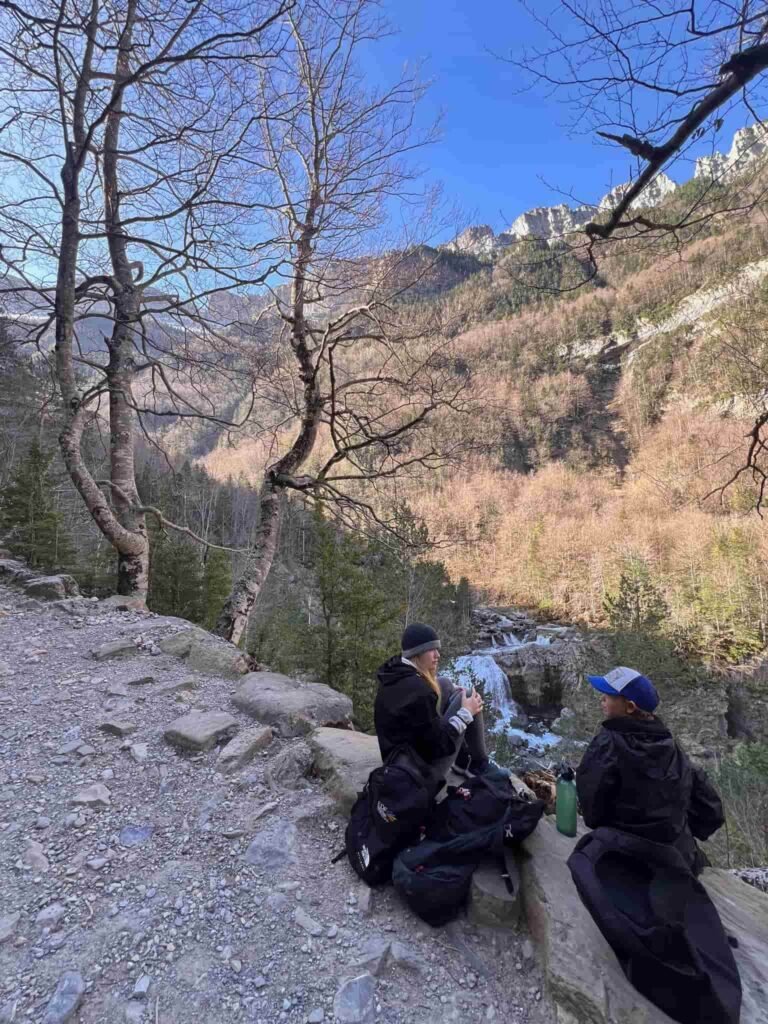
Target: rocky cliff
[554,222]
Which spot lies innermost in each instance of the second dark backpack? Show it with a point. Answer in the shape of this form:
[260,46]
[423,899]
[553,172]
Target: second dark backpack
[434,876]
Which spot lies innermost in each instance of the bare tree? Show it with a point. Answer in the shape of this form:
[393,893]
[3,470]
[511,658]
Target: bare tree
[123,215]
[362,369]
[656,78]
[652,77]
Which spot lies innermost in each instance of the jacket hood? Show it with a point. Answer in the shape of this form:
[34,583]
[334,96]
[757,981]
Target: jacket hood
[649,745]
[393,671]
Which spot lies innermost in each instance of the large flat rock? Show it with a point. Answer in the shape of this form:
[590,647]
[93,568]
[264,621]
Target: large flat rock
[583,977]
[201,730]
[744,912]
[205,653]
[291,707]
[343,760]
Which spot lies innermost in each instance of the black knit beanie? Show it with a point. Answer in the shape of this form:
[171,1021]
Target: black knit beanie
[419,638]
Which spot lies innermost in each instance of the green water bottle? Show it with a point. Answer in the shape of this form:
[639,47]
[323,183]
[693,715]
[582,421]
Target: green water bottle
[565,804]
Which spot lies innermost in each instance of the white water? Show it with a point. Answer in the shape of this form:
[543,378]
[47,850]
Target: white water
[511,643]
[482,669]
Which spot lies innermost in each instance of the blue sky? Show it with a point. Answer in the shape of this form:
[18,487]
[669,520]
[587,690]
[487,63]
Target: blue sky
[503,150]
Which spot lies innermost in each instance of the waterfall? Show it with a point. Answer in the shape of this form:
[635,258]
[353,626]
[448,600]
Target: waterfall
[486,672]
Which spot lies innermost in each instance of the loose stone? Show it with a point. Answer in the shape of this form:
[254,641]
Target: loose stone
[66,999]
[95,795]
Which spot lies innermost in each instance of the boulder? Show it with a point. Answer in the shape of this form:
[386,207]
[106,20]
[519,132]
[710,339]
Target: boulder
[217,659]
[293,708]
[179,644]
[200,730]
[14,571]
[744,913]
[343,760]
[52,588]
[288,769]
[582,975]
[33,857]
[490,900]
[205,653]
[244,747]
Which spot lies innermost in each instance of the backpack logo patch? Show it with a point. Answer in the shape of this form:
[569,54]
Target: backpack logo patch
[384,812]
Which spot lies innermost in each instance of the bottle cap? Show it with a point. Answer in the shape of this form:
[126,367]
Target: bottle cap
[567,773]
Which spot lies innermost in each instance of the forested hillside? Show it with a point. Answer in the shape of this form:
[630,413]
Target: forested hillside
[606,422]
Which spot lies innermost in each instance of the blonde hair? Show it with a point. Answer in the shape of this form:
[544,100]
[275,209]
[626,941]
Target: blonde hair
[429,678]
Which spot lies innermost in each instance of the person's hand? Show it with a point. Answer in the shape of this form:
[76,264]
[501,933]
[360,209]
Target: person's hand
[473,702]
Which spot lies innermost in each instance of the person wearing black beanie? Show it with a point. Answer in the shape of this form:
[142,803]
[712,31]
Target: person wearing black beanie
[430,714]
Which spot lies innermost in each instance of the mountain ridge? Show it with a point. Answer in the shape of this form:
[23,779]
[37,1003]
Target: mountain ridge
[549,223]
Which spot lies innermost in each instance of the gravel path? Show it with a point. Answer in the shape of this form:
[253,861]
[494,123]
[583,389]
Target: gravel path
[173,892]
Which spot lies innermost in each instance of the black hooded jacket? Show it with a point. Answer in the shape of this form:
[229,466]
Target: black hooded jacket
[634,777]
[405,712]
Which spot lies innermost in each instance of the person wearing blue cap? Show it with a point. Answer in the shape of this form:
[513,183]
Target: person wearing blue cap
[635,872]
[635,777]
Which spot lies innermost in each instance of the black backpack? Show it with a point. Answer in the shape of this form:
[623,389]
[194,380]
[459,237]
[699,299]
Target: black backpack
[480,802]
[391,811]
[479,818]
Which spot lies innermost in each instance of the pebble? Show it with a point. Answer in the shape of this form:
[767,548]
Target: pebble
[141,988]
[354,1002]
[50,916]
[135,835]
[95,795]
[65,999]
[33,857]
[303,920]
[117,727]
[8,925]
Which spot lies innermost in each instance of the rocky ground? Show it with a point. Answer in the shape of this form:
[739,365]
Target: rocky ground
[143,882]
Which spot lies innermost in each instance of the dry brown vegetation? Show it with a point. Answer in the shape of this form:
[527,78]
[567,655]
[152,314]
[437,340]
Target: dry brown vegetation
[588,460]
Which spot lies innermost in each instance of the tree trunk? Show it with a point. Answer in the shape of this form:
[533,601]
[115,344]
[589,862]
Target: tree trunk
[233,619]
[234,616]
[133,565]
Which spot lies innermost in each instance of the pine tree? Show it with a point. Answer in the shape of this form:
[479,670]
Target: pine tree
[28,514]
[638,605]
[217,583]
[175,578]
[361,614]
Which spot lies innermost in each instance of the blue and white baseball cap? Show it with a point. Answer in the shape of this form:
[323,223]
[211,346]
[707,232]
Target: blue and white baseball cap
[627,683]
